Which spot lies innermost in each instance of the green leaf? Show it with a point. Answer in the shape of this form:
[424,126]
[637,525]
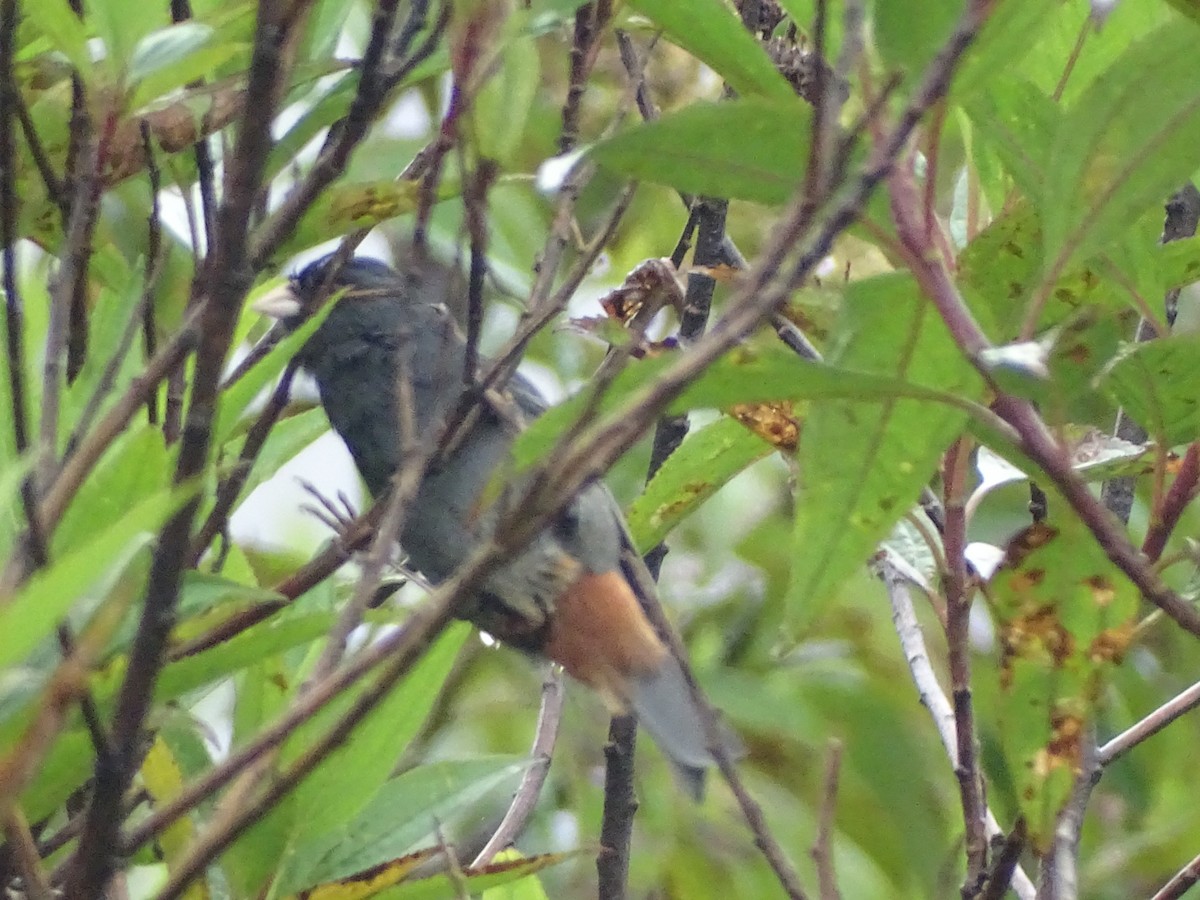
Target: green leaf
[59,775]
[910,33]
[263,641]
[863,464]
[135,468]
[166,47]
[1066,616]
[529,888]
[1009,33]
[340,787]
[443,887]
[287,439]
[236,400]
[65,30]
[404,814]
[121,24]
[1179,262]
[706,461]
[197,65]
[50,593]
[1124,146]
[1158,384]
[501,109]
[328,104]
[1000,270]
[751,149]
[1018,121]
[710,31]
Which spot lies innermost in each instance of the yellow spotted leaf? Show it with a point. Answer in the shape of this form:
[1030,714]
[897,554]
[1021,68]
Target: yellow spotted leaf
[1065,617]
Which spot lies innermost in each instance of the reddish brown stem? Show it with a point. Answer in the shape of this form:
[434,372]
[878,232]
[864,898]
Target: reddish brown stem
[1182,491]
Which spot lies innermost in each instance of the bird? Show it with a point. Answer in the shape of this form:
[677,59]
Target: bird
[573,594]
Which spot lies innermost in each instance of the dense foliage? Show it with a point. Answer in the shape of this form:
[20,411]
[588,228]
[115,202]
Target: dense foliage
[920,408]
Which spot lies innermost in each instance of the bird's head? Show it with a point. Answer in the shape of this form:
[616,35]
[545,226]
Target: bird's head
[359,278]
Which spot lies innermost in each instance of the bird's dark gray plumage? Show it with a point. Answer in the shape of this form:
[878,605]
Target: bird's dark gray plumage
[565,595]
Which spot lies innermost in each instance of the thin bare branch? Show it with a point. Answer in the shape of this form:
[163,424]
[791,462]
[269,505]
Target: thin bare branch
[1179,705]
[229,280]
[958,611]
[1035,438]
[25,853]
[1181,882]
[525,800]
[822,848]
[930,692]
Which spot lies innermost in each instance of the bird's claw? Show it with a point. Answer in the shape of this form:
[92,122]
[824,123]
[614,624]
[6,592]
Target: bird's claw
[340,519]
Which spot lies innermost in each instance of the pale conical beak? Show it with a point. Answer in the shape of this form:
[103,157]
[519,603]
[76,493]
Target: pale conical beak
[278,303]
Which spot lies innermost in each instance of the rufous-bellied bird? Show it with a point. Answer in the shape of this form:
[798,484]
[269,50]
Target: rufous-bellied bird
[568,595]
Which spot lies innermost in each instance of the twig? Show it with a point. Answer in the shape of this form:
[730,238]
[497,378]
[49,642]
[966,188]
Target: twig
[525,800]
[1004,864]
[230,279]
[1181,882]
[84,193]
[89,450]
[1182,703]
[958,612]
[822,848]
[153,261]
[764,839]
[231,486]
[87,703]
[37,150]
[14,318]
[417,451]
[1059,875]
[541,312]
[620,806]
[345,136]
[475,203]
[824,118]
[181,11]
[104,385]
[25,854]
[908,629]
[590,20]
[1183,490]
[1035,439]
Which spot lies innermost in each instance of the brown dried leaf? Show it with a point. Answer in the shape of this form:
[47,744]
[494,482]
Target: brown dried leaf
[775,422]
[647,289]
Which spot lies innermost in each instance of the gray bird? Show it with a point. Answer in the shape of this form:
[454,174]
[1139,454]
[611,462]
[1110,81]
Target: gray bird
[572,594]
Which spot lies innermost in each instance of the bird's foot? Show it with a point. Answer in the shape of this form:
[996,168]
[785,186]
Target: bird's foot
[338,516]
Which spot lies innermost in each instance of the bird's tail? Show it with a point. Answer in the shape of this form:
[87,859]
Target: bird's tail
[664,707]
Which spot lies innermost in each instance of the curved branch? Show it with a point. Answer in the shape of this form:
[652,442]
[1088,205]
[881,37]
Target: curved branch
[525,800]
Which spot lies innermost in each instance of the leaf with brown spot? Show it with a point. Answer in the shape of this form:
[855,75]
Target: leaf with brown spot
[706,461]
[501,872]
[775,422]
[1000,269]
[369,882]
[1064,615]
